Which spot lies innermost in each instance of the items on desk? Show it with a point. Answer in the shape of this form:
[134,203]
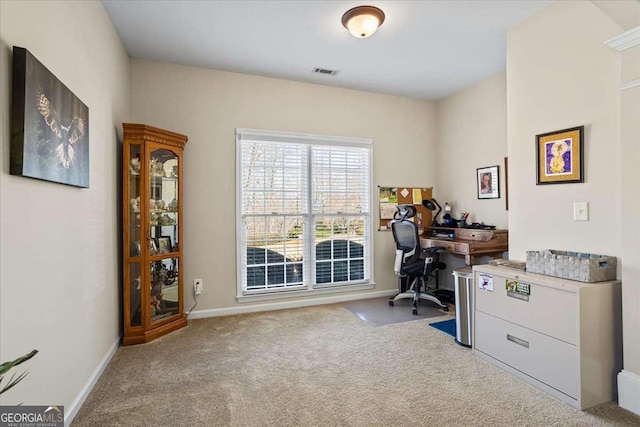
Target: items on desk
[449,222]
[432,205]
[463,219]
[448,219]
[480,226]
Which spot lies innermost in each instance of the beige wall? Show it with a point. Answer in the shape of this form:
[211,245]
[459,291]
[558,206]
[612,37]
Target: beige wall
[472,133]
[625,13]
[556,80]
[208,105]
[59,280]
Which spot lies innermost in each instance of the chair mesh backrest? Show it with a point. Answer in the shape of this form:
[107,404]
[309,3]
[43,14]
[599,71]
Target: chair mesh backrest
[405,234]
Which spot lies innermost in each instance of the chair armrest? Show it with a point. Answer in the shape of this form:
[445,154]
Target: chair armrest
[430,251]
[398,262]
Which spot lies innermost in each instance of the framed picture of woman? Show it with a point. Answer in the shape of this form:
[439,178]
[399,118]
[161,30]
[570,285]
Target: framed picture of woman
[488,182]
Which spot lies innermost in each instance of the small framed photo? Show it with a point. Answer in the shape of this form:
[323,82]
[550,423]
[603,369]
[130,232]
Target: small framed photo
[488,182]
[153,247]
[559,156]
[164,244]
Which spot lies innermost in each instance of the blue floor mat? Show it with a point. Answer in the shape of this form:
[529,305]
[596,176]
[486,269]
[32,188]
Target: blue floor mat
[446,326]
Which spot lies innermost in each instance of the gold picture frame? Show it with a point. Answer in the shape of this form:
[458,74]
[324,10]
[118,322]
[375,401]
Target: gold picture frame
[559,156]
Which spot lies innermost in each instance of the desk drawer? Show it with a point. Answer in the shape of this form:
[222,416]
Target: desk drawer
[546,359]
[553,312]
[462,248]
[453,247]
[447,245]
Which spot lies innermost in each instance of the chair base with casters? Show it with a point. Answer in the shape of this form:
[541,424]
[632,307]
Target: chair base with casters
[415,293]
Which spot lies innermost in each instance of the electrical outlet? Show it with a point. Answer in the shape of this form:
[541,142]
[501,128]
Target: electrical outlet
[197,286]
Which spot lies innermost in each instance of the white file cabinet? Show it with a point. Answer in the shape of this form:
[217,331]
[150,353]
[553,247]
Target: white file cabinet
[562,336]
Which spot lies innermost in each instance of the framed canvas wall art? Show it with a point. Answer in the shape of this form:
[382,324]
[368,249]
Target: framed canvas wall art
[49,126]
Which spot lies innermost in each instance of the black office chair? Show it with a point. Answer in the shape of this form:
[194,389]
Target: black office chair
[413,262]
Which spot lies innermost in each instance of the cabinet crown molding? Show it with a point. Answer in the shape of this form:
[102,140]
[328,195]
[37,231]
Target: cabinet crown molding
[151,133]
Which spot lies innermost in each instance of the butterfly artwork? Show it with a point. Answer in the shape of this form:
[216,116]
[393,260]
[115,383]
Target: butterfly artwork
[50,126]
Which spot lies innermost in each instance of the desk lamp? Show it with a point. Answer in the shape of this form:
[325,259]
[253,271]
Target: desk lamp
[431,204]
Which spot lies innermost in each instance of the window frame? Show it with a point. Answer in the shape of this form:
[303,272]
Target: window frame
[310,288]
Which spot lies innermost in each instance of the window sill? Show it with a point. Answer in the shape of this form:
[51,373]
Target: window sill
[304,292]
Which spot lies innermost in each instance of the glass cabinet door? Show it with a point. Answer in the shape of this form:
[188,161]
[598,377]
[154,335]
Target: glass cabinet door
[134,233]
[164,301]
[163,202]
[134,201]
[135,297]
[163,234]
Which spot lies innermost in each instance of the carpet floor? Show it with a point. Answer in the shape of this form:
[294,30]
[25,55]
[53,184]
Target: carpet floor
[318,366]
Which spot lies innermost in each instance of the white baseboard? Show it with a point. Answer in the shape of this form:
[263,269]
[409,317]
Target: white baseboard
[629,391]
[70,414]
[215,312]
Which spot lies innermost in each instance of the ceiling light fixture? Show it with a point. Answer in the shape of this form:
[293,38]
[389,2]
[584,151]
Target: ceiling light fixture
[362,21]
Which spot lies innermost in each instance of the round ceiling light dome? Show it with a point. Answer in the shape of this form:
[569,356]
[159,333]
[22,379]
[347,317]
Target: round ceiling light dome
[363,21]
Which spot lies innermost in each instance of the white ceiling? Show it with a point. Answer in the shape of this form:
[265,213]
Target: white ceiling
[424,49]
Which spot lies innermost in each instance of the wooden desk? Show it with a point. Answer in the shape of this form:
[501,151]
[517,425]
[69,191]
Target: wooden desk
[468,242]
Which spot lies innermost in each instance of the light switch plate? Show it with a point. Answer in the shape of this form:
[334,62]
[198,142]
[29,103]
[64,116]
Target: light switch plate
[581,211]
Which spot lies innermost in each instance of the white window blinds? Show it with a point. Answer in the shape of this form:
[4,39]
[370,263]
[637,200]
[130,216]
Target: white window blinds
[304,211]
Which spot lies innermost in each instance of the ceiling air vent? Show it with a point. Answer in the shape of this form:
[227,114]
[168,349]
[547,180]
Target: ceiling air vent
[324,71]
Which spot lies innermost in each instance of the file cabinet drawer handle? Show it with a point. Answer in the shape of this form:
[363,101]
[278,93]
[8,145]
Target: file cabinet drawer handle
[518,341]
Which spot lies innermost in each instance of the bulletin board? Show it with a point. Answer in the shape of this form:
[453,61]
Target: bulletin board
[390,197]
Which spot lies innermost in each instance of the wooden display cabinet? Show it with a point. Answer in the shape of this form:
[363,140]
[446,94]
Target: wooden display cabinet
[152,225]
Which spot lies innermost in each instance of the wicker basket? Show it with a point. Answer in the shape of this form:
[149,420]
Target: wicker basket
[578,266]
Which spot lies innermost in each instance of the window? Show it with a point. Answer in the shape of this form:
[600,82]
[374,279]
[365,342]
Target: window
[304,204]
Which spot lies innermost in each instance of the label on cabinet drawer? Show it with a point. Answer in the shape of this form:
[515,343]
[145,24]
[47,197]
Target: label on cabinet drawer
[518,290]
[486,282]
